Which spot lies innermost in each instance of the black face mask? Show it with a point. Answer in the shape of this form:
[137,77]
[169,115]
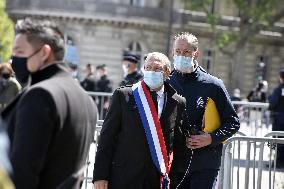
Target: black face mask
[19,65]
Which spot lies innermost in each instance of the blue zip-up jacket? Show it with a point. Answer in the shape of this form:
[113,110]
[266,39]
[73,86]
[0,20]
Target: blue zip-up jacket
[276,105]
[196,87]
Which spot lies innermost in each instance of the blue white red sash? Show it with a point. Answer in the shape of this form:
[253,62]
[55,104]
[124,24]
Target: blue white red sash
[154,134]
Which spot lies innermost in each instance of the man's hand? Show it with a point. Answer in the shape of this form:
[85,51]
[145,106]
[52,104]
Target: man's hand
[101,184]
[198,141]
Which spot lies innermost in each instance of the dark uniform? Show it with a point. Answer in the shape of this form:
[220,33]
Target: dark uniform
[131,78]
[135,76]
[89,83]
[276,102]
[103,85]
[196,87]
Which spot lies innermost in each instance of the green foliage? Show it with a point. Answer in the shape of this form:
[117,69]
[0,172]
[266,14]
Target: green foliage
[224,39]
[6,33]
[254,15]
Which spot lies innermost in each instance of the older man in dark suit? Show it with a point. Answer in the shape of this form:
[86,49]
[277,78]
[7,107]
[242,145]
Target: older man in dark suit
[50,124]
[125,155]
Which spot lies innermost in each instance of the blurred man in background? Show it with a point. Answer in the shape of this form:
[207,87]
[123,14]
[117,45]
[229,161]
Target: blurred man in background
[276,105]
[103,85]
[130,70]
[9,86]
[89,82]
[259,93]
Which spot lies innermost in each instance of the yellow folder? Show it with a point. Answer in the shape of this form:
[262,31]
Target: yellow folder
[211,117]
[5,182]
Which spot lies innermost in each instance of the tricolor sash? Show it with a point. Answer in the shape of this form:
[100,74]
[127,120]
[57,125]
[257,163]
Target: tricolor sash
[154,134]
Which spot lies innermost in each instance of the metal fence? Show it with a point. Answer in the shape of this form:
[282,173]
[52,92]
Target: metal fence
[88,175]
[103,101]
[255,116]
[250,163]
[246,158]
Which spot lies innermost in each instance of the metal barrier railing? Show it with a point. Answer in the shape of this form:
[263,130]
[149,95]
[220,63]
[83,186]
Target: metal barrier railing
[253,115]
[91,156]
[103,101]
[245,156]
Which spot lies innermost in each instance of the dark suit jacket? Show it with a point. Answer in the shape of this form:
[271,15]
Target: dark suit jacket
[51,126]
[123,156]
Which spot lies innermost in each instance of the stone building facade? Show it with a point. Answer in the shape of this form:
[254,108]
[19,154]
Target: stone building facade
[102,30]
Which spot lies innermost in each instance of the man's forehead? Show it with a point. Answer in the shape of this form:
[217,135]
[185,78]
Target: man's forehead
[183,43]
[20,41]
[154,59]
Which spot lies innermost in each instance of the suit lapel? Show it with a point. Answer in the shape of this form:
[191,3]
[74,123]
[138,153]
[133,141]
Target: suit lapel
[169,107]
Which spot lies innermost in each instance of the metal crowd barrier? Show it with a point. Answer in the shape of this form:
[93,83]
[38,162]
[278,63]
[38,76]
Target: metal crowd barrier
[255,116]
[235,161]
[246,159]
[102,100]
[88,176]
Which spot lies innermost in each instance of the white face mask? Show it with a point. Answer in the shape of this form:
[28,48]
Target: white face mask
[153,79]
[183,64]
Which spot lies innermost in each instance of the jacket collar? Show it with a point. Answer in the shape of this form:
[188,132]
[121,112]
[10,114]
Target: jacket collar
[48,72]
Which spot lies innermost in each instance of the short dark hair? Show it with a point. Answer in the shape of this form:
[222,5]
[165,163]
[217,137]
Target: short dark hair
[40,32]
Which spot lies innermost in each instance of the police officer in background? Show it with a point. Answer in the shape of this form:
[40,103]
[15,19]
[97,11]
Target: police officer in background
[103,85]
[129,66]
[89,82]
[276,105]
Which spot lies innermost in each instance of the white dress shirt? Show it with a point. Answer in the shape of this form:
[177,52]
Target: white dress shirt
[160,99]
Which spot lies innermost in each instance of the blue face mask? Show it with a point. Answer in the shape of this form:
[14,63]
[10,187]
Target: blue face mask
[183,64]
[153,79]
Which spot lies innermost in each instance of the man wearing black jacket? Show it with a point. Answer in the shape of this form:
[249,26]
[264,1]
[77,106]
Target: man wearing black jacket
[51,123]
[197,86]
[130,70]
[123,158]
[276,105]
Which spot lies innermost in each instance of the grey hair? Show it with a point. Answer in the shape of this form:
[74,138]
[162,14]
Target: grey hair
[161,57]
[192,39]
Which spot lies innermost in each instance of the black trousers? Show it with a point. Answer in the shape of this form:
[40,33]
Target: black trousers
[203,179]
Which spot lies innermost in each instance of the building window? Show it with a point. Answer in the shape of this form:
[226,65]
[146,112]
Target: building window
[207,60]
[138,3]
[261,67]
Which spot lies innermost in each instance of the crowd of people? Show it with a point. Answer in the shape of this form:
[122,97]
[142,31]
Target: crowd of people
[153,135]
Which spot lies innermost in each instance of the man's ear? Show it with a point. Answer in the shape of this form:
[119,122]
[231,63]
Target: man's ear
[167,74]
[46,49]
[196,54]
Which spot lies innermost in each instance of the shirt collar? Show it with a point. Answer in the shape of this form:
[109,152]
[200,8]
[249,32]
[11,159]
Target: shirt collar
[161,92]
